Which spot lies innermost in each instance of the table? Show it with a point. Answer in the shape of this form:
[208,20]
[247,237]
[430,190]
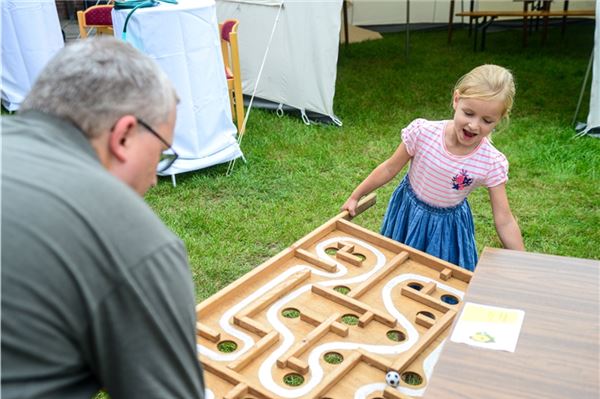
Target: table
[184,40]
[31,36]
[558,350]
[530,11]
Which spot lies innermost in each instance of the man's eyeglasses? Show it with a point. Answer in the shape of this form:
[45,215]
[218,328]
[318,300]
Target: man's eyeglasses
[169,156]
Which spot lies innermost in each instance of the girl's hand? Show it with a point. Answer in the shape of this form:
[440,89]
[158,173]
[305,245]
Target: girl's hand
[382,174]
[350,206]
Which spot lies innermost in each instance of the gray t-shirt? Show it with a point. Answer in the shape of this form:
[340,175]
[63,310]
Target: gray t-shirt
[96,291]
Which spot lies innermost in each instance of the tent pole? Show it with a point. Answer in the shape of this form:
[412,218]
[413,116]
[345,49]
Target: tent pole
[407,25]
[260,71]
[345,7]
[451,21]
[585,79]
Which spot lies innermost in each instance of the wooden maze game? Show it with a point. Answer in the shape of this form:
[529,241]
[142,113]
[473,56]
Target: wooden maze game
[335,315]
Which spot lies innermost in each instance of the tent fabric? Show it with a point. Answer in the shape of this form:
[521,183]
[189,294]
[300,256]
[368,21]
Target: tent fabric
[301,65]
[184,41]
[31,36]
[593,120]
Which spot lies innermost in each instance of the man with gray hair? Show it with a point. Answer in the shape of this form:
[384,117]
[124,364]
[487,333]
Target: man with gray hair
[96,291]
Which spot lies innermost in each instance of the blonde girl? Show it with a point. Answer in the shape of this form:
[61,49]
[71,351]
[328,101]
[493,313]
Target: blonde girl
[448,160]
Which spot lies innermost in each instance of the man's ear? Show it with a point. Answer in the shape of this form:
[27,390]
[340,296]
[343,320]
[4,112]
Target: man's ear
[119,141]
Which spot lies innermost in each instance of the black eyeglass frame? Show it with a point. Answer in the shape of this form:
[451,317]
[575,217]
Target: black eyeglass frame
[169,159]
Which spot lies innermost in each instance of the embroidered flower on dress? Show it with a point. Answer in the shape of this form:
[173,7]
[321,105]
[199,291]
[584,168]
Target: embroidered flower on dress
[461,180]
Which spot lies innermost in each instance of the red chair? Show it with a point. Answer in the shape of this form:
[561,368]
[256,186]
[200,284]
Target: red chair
[98,17]
[231,59]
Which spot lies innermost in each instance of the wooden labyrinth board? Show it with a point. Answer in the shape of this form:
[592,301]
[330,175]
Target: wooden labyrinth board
[329,317]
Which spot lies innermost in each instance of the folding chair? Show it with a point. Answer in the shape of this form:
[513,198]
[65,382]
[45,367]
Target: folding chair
[98,17]
[231,59]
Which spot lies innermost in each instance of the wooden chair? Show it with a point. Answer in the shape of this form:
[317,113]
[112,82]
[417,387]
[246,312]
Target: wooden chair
[98,17]
[231,59]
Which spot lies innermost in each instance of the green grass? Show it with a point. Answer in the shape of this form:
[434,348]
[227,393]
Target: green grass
[293,379]
[360,256]
[333,358]
[350,319]
[342,289]
[227,346]
[4,111]
[412,378]
[395,335]
[331,251]
[290,313]
[298,176]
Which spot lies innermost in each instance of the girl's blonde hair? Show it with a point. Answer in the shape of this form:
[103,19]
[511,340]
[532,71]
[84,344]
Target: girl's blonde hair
[488,82]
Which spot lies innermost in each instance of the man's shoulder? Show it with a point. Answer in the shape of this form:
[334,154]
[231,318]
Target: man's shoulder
[61,188]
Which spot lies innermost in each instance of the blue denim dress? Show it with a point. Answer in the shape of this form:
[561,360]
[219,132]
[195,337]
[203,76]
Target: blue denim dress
[446,233]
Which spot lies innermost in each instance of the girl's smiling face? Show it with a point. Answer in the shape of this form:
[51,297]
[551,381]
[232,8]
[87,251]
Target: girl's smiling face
[474,119]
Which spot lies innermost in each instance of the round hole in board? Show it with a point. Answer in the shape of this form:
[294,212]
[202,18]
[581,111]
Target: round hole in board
[395,335]
[415,286]
[411,378]
[350,319]
[333,357]
[449,299]
[426,314]
[227,346]
[290,313]
[342,289]
[293,379]
[360,256]
[331,251]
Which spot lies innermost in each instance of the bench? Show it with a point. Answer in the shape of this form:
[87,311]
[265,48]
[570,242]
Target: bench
[543,13]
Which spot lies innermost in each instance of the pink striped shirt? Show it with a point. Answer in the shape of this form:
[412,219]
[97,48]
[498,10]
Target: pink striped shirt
[441,178]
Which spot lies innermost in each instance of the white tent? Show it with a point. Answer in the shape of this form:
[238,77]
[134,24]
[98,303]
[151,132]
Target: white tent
[31,36]
[593,120]
[300,40]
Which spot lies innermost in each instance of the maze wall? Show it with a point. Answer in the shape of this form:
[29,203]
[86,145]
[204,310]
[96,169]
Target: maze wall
[329,317]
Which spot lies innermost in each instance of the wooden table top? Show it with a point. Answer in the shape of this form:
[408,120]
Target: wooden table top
[558,352]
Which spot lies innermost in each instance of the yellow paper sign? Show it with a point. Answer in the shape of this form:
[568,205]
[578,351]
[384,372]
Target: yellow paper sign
[488,327]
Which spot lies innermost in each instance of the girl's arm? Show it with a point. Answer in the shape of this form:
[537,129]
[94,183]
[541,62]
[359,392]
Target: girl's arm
[506,225]
[382,174]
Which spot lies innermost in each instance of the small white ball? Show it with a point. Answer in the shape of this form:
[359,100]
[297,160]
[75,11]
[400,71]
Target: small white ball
[392,378]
